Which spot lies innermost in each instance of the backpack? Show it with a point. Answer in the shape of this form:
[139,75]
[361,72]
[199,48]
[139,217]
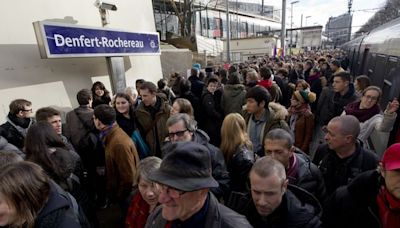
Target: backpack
[90,140]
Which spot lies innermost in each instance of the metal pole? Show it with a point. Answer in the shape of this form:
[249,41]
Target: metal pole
[291,28]
[115,65]
[228,34]
[283,28]
[301,21]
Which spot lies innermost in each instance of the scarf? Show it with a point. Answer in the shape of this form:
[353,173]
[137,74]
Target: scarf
[313,77]
[389,209]
[292,171]
[22,122]
[302,109]
[138,212]
[104,132]
[361,114]
[266,83]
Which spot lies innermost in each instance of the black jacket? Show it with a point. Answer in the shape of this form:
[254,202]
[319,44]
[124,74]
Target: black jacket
[59,211]
[331,104]
[219,171]
[213,117]
[14,132]
[297,209]
[239,167]
[197,86]
[338,172]
[128,125]
[217,216]
[309,176]
[355,205]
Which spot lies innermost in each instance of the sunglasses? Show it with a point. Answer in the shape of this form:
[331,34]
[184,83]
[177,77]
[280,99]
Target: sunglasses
[178,133]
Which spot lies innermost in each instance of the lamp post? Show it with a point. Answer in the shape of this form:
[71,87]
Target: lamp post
[228,34]
[115,65]
[283,26]
[291,25]
[307,18]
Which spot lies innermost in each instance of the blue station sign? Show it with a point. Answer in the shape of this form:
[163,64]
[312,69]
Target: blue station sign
[58,40]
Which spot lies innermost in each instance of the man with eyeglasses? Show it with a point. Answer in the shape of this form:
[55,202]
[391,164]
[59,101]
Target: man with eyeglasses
[184,179]
[18,120]
[181,127]
[275,203]
[343,158]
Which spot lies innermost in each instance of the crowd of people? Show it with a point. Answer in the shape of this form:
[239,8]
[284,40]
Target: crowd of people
[266,143]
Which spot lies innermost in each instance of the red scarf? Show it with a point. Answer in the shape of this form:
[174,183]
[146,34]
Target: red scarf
[266,83]
[389,209]
[361,114]
[138,212]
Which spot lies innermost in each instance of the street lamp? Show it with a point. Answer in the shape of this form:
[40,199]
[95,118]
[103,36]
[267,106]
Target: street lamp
[307,18]
[291,25]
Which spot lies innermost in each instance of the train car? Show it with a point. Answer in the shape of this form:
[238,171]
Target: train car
[377,55]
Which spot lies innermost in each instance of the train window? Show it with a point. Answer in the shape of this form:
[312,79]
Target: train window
[370,64]
[391,85]
[380,70]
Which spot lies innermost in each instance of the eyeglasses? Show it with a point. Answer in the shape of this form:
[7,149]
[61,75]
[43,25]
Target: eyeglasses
[27,110]
[371,97]
[171,192]
[178,133]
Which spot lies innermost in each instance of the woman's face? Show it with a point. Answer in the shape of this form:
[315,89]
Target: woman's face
[148,191]
[294,102]
[356,85]
[369,99]
[175,109]
[98,91]
[8,213]
[122,105]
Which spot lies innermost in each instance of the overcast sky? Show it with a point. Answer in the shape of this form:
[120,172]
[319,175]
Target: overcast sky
[321,10]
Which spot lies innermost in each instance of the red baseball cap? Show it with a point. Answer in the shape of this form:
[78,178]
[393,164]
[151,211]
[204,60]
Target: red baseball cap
[391,157]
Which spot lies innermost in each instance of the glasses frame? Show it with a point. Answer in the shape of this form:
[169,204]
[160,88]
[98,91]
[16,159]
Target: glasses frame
[178,133]
[171,192]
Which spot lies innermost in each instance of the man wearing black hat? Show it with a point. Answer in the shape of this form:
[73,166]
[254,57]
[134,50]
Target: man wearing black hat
[181,127]
[184,179]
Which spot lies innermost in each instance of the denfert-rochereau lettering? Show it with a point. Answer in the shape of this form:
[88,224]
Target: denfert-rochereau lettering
[83,41]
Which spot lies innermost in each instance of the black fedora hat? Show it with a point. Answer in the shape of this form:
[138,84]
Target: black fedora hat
[186,167]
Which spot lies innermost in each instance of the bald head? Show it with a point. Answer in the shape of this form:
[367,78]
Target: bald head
[348,125]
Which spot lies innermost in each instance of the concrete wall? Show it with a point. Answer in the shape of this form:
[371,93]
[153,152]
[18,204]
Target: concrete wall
[55,81]
[176,60]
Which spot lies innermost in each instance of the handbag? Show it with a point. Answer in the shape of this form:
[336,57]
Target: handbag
[141,146]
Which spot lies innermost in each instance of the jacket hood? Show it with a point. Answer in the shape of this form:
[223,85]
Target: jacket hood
[280,111]
[366,186]
[3,142]
[200,137]
[233,90]
[306,200]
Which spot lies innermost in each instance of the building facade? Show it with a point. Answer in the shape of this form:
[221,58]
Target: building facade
[338,29]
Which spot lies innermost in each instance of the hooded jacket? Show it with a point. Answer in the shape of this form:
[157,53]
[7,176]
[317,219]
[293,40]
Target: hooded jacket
[297,209]
[233,99]
[276,118]
[355,205]
[4,145]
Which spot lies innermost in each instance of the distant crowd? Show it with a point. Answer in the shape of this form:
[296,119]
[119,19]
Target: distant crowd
[291,142]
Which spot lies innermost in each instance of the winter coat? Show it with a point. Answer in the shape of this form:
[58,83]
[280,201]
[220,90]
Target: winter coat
[355,205]
[239,167]
[297,209]
[379,122]
[276,118]
[338,172]
[4,145]
[105,99]
[59,211]
[303,131]
[219,171]
[233,99]
[331,104]
[14,133]
[217,216]
[213,117]
[74,128]
[122,160]
[153,134]
[309,177]
[197,86]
